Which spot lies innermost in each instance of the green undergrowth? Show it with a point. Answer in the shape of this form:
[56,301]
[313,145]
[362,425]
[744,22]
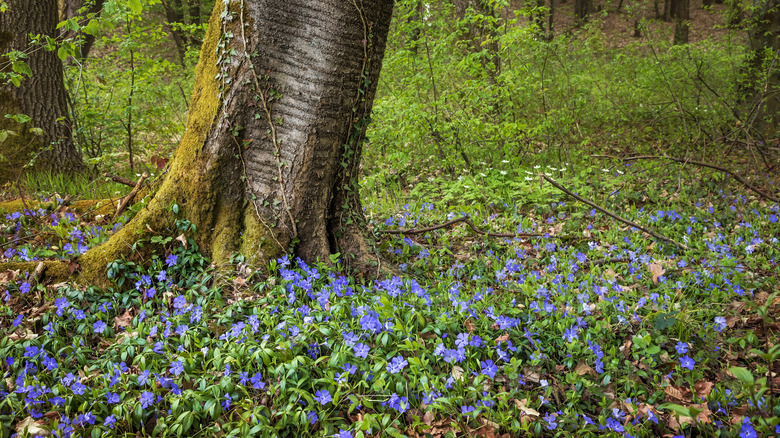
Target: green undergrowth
[592,329]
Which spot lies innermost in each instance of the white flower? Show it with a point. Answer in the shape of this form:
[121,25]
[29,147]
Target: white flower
[503,172]
[505,161]
[528,178]
[536,167]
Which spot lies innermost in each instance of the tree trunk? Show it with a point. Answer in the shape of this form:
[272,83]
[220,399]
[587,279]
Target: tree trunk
[270,157]
[668,10]
[761,69]
[582,8]
[681,21]
[41,96]
[81,8]
[173,14]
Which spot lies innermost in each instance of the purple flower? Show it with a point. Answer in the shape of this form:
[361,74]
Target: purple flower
[489,368]
[312,417]
[397,364]
[720,323]
[361,350]
[551,423]
[112,398]
[143,377]
[24,288]
[747,429]
[18,320]
[322,397]
[687,362]
[146,399]
[681,348]
[109,421]
[99,326]
[343,434]
[171,260]
[177,368]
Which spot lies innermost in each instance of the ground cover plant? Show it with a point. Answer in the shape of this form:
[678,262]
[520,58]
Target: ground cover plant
[591,329]
[576,229]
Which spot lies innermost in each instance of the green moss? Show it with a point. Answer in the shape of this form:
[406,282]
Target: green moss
[93,206]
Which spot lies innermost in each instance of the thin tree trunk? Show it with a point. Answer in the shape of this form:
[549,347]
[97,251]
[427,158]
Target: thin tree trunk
[270,157]
[681,21]
[41,97]
[173,15]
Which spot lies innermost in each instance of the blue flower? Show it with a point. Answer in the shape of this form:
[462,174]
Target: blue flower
[343,434]
[397,364]
[322,397]
[489,368]
[312,417]
[146,398]
[681,347]
[361,350]
[551,423]
[177,368]
[18,320]
[747,429]
[720,323]
[99,326]
[109,421]
[687,362]
[112,398]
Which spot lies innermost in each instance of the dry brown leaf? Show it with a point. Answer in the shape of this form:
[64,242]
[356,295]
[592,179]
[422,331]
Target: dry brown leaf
[457,373]
[675,394]
[656,270]
[428,417]
[125,320]
[702,388]
[183,239]
[502,338]
[33,428]
[470,327]
[583,368]
[522,406]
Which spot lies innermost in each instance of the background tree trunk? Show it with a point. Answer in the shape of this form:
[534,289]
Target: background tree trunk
[41,97]
[271,154]
[582,8]
[82,8]
[682,16]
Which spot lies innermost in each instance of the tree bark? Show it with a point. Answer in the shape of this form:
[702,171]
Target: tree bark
[682,21]
[41,97]
[73,8]
[761,69]
[271,153]
[173,14]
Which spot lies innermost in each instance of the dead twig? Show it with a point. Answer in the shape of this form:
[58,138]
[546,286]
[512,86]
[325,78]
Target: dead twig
[465,220]
[697,163]
[120,180]
[126,200]
[610,214]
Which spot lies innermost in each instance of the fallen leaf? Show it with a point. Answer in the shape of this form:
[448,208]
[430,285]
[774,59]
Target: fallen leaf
[656,270]
[32,427]
[583,368]
[125,320]
[470,327]
[183,239]
[457,373]
[521,404]
[428,417]
[502,338]
[702,388]
[675,394]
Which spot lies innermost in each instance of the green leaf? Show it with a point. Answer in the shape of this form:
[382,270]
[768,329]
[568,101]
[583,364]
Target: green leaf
[665,320]
[62,53]
[135,6]
[679,410]
[743,375]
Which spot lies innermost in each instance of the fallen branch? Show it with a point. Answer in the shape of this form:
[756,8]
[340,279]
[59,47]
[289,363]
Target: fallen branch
[610,214]
[465,220]
[697,163]
[126,200]
[120,180]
